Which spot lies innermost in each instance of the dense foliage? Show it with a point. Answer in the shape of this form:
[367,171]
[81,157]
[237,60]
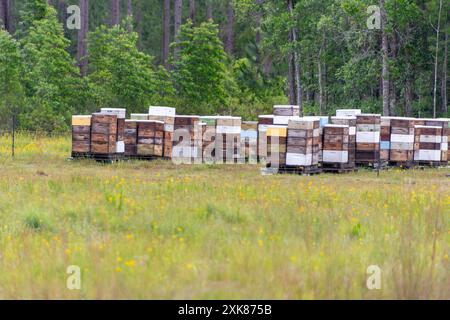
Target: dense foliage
[251,55]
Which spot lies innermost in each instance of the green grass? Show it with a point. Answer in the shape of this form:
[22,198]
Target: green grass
[159,231]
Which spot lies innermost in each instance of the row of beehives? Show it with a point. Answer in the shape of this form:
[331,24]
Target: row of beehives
[351,138]
[282,138]
[160,133]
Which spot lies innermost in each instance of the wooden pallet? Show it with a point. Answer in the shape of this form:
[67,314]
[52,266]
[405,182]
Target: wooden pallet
[81,155]
[401,164]
[339,167]
[430,164]
[371,165]
[107,158]
[305,171]
[142,158]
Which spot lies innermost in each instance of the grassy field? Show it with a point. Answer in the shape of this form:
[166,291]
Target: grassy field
[160,231]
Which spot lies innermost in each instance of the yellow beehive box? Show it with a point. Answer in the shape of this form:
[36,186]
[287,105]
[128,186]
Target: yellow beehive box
[275,131]
[81,120]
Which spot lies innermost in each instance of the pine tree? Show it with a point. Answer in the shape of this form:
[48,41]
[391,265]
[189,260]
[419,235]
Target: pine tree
[32,11]
[119,74]
[199,72]
[10,70]
[51,78]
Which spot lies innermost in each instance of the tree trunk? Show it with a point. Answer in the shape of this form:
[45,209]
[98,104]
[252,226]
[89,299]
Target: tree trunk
[178,11]
[291,80]
[297,71]
[2,14]
[444,107]
[115,12]
[139,24]
[408,92]
[384,49]
[62,10]
[209,10]
[5,15]
[436,60]
[192,10]
[130,15]
[393,91]
[166,33]
[319,71]
[392,98]
[258,37]
[229,42]
[82,33]
[129,8]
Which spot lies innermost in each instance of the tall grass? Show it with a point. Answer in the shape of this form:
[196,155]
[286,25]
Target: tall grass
[156,230]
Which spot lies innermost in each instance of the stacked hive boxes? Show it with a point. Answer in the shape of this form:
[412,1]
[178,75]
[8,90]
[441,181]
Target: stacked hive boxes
[428,140]
[209,138]
[368,138]
[166,115]
[283,113]
[385,138]
[150,135]
[445,148]
[348,112]
[323,122]
[303,142]
[263,122]
[103,134]
[351,123]
[336,144]
[402,139]
[187,140]
[249,140]
[286,110]
[228,139]
[130,137]
[276,145]
[139,116]
[81,135]
[444,124]
[121,115]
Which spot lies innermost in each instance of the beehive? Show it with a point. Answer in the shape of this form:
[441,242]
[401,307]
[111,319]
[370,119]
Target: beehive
[351,123]
[139,116]
[209,138]
[286,110]
[444,124]
[385,138]
[323,122]
[150,138]
[121,115]
[348,112]
[402,139]
[130,137]
[228,139]
[166,115]
[263,122]
[104,134]
[276,145]
[187,140]
[336,144]
[249,140]
[368,138]
[427,146]
[81,135]
[303,142]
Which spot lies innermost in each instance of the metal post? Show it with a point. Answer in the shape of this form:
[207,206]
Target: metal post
[13,134]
